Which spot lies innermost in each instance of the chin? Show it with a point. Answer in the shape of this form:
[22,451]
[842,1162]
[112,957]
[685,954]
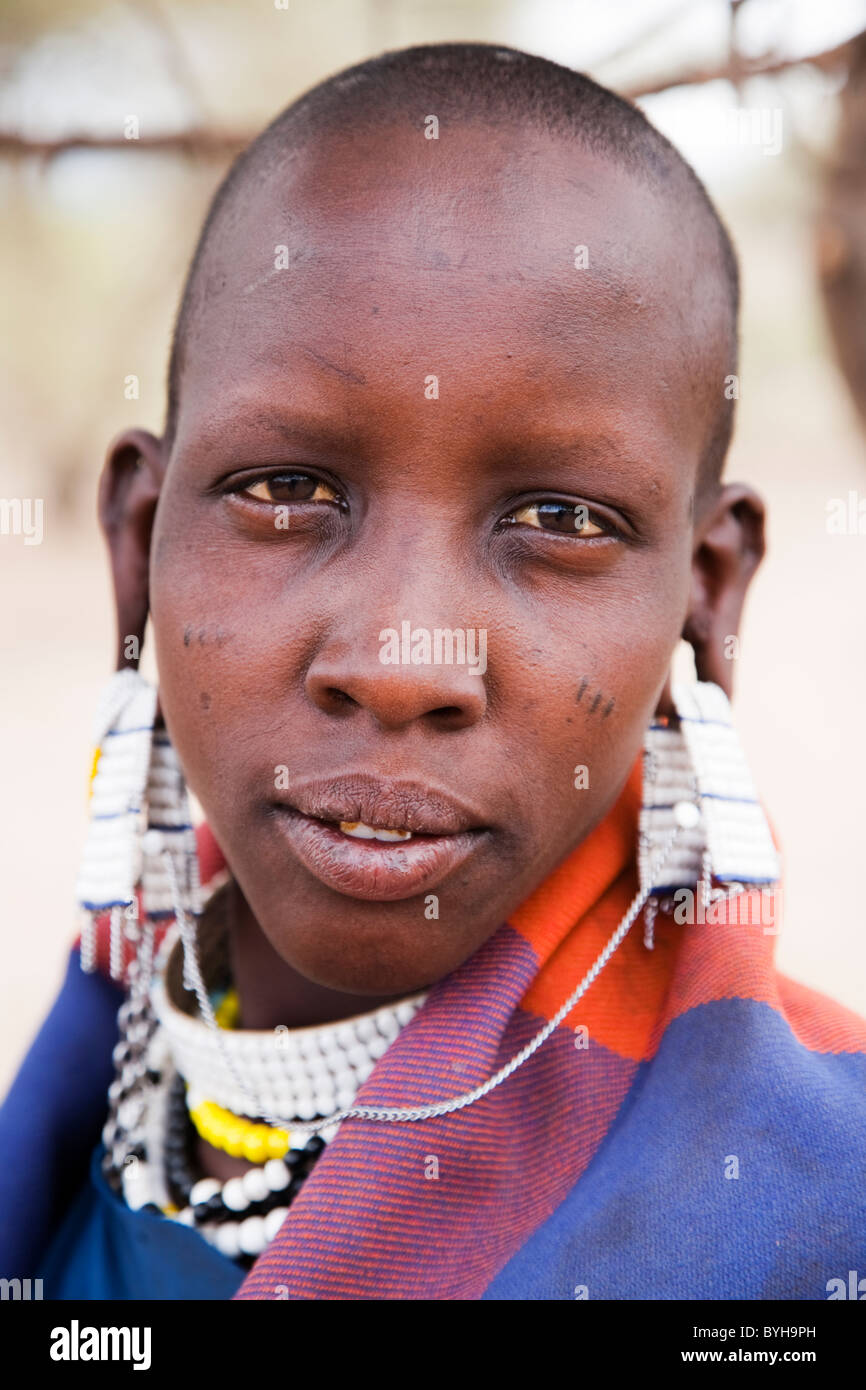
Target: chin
[366,978]
[365,954]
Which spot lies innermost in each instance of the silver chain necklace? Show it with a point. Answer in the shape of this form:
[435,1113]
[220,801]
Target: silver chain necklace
[188,932]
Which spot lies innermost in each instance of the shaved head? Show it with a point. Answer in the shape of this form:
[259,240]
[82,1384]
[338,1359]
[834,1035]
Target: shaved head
[503,90]
[451,356]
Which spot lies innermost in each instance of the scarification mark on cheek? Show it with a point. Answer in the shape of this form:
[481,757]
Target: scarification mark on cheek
[599,703]
[204,636]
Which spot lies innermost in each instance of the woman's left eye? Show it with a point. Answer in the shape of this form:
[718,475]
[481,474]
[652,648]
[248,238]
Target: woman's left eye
[291,487]
[562,518]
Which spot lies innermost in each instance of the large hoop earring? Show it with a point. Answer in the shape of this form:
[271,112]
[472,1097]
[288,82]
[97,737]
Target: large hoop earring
[140,855]
[697,779]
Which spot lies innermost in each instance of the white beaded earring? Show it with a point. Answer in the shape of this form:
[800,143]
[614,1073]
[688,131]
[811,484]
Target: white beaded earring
[111,862]
[696,778]
[140,833]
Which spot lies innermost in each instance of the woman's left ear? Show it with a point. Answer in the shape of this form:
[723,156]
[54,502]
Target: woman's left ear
[128,491]
[729,546]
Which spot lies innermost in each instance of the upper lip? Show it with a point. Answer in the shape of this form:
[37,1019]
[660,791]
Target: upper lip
[383,803]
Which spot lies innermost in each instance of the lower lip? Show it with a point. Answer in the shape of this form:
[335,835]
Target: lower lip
[373,869]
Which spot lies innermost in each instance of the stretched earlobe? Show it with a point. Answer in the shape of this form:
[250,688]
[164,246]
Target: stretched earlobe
[729,546]
[128,491]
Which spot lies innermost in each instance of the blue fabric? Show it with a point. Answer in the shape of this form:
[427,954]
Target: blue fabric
[106,1251]
[655,1217]
[53,1116]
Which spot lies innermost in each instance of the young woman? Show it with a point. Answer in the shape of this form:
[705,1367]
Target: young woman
[465,989]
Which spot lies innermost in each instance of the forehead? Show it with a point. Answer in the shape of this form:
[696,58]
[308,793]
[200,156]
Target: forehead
[517,267]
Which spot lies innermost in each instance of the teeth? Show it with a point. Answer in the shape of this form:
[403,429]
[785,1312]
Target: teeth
[359,831]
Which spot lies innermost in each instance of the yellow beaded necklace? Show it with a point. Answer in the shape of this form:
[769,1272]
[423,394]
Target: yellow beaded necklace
[223,1129]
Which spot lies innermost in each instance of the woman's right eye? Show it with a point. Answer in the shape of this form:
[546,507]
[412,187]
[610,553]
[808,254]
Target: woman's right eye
[285,488]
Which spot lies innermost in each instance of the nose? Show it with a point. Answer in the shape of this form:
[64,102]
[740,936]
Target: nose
[398,680]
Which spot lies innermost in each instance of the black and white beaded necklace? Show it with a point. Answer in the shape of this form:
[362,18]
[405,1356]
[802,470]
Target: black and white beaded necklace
[164,1051]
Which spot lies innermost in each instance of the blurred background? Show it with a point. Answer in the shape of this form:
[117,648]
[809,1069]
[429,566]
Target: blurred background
[117,121]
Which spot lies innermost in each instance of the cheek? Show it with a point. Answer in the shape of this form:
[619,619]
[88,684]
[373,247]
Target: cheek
[582,705]
[224,666]
[622,674]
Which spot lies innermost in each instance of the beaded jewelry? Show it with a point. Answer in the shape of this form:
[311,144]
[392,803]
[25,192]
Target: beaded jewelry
[305,1072]
[236,1135]
[696,778]
[294,1073]
[278,1098]
[140,835]
[111,863]
[149,1135]
[669,835]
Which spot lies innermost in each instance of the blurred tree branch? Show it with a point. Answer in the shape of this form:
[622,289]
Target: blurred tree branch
[841,233]
[737,68]
[153,15]
[841,230]
[201,143]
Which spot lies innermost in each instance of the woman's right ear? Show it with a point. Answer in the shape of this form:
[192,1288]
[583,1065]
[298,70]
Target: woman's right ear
[128,491]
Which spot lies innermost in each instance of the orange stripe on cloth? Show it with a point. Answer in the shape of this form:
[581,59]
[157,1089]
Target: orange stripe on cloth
[639,992]
[582,879]
[821,1024]
[737,961]
[594,888]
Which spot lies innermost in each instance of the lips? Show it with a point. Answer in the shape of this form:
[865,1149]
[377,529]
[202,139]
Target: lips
[443,833]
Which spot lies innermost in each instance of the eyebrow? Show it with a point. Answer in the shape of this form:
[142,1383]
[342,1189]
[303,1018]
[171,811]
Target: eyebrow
[297,427]
[291,427]
[598,451]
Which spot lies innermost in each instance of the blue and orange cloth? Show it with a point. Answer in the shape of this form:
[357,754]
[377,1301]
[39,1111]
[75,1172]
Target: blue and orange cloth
[695,1129]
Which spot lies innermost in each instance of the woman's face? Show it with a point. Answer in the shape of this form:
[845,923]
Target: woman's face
[428,413]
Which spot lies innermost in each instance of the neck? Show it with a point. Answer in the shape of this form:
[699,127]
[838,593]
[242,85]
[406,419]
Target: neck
[272,992]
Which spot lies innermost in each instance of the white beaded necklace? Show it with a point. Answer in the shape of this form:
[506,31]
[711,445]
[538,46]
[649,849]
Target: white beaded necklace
[296,1073]
[683,820]
[308,1071]
[312,1069]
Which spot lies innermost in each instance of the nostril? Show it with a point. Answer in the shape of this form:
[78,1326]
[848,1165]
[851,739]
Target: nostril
[449,717]
[337,697]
